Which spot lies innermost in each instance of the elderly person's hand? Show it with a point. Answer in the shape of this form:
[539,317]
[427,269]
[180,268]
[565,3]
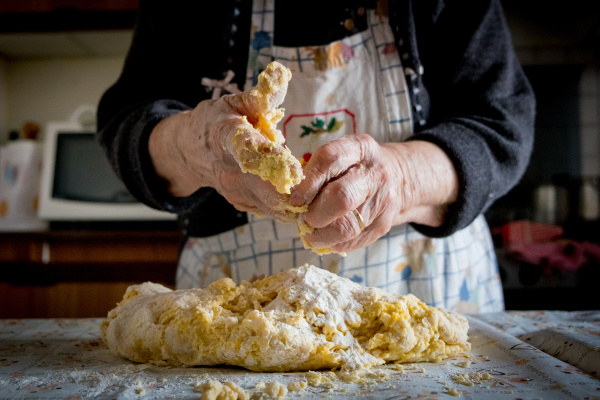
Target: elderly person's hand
[195,149]
[387,184]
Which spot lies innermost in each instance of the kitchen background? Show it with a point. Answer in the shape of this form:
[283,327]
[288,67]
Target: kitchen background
[56,55]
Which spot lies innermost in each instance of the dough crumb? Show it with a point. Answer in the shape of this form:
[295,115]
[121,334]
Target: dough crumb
[364,377]
[316,378]
[214,390]
[453,392]
[299,386]
[275,390]
[471,378]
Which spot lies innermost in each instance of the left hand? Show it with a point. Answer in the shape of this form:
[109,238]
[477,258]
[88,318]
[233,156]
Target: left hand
[387,184]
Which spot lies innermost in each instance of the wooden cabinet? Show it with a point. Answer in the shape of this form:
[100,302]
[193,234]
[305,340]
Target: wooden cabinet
[26,6]
[66,15]
[46,6]
[80,273]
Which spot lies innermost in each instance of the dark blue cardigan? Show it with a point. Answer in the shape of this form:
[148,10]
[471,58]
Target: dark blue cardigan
[469,94]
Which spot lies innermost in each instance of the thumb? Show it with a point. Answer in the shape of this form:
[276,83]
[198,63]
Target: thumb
[260,103]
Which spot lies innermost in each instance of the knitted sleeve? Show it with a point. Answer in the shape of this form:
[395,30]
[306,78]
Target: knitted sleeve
[175,44]
[472,99]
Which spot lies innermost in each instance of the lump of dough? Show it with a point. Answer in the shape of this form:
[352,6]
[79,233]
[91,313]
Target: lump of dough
[301,319]
[270,160]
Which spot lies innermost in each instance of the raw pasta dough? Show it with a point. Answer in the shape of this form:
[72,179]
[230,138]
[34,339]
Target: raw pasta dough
[301,319]
[272,161]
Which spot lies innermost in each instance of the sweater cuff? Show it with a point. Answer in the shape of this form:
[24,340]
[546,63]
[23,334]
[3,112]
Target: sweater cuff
[138,173]
[470,157]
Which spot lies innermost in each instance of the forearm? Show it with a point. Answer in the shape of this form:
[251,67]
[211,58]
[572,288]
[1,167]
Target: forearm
[124,138]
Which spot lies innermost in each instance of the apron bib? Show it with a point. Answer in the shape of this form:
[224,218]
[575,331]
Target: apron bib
[350,86]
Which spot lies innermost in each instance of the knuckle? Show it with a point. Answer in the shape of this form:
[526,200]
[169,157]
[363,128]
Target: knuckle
[347,228]
[326,154]
[272,198]
[368,146]
[223,179]
[365,139]
[345,198]
[381,229]
[381,226]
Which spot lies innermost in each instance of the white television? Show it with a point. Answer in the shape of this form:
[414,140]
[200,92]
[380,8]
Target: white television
[78,183]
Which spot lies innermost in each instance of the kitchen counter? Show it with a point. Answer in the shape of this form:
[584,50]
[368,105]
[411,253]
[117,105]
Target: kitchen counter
[528,355]
[75,273]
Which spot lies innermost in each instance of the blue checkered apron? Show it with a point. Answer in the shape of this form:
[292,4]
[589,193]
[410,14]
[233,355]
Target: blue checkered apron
[353,85]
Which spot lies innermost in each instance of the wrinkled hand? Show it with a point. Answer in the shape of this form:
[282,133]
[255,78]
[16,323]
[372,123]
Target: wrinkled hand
[196,149]
[388,184]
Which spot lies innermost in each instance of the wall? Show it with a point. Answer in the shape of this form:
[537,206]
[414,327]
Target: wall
[44,90]
[590,121]
[3,103]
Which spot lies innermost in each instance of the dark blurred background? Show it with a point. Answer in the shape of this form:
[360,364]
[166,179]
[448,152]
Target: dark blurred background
[56,55]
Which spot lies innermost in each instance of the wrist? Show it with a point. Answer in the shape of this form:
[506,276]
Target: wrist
[167,157]
[428,182]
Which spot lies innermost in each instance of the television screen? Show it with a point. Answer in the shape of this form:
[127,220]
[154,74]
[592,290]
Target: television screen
[83,173]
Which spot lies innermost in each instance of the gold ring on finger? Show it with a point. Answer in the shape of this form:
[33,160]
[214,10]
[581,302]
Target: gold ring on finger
[359,218]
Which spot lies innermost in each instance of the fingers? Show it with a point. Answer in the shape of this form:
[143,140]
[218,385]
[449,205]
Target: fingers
[368,236]
[340,196]
[341,230]
[248,192]
[267,95]
[347,175]
[273,84]
[345,235]
[331,161]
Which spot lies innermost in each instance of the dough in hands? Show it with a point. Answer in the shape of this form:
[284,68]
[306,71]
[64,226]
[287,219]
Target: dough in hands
[301,319]
[271,159]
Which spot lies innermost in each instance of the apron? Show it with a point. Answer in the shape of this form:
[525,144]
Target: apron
[353,85]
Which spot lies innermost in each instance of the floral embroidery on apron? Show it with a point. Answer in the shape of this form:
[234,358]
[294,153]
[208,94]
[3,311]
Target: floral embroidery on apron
[353,85]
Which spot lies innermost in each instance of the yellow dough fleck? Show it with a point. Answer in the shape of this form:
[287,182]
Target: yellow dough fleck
[214,390]
[275,390]
[303,230]
[297,386]
[301,319]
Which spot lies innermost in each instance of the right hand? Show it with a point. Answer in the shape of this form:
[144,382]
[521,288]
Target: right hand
[194,149]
